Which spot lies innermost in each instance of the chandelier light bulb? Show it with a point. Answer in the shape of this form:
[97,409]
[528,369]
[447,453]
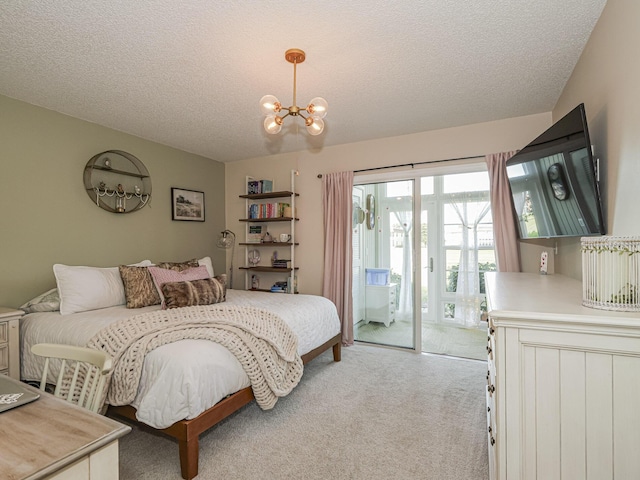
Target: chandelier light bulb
[318,107]
[316,126]
[270,104]
[273,124]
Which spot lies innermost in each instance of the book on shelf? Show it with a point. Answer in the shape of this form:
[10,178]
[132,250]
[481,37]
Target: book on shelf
[253,211]
[266,186]
[255,234]
[253,186]
[280,287]
[267,210]
[259,186]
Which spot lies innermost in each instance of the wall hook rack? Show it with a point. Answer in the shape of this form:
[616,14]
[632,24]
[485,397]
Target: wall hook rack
[117,182]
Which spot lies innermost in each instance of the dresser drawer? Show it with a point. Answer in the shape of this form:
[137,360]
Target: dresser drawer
[491,340]
[491,423]
[4,335]
[492,437]
[4,357]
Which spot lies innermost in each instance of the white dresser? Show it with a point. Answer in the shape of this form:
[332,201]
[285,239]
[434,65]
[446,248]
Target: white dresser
[563,393]
[380,301]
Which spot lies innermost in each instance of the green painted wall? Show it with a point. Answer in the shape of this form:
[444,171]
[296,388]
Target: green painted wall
[46,216]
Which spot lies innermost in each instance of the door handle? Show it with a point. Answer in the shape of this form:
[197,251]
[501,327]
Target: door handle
[431,264]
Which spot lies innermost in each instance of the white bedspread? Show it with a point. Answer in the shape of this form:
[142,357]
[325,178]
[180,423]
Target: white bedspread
[182,379]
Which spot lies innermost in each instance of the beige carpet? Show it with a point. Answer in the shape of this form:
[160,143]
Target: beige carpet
[441,339]
[378,414]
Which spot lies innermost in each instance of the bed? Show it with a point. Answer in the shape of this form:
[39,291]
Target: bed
[187,386]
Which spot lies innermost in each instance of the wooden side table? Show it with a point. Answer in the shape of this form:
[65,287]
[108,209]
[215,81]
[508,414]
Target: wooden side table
[10,342]
[50,439]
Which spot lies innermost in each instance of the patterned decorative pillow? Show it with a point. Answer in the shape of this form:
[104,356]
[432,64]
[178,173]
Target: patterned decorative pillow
[165,275]
[222,278]
[139,288]
[195,292]
[179,266]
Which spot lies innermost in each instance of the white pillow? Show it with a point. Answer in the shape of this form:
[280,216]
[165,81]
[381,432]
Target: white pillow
[49,301]
[206,261]
[89,288]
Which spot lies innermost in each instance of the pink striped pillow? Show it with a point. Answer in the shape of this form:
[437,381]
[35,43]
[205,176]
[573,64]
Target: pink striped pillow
[164,275]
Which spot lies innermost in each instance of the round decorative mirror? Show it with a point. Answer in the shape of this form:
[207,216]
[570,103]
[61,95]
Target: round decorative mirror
[371,211]
[117,182]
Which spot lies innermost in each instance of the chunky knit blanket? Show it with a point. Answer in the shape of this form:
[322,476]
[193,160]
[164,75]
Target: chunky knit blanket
[261,341]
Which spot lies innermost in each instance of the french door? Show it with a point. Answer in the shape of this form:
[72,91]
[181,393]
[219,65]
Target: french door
[420,263]
[456,211]
[383,254]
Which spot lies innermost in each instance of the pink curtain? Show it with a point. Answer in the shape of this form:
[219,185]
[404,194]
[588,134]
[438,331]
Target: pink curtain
[505,232]
[337,204]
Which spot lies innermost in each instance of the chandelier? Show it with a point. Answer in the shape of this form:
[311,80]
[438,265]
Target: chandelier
[271,106]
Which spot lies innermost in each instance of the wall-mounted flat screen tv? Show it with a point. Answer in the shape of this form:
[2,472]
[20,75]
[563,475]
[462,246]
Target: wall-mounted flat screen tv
[554,182]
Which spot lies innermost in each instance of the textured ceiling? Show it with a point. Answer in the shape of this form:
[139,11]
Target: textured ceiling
[190,73]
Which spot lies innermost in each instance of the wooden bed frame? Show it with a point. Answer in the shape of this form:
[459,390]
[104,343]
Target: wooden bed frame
[187,432]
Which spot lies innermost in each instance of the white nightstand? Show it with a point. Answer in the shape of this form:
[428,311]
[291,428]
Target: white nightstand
[10,342]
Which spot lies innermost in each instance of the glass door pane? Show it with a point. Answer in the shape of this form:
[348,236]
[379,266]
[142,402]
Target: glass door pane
[460,249]
[386,255]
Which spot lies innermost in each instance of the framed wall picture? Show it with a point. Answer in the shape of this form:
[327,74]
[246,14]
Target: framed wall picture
[187,205]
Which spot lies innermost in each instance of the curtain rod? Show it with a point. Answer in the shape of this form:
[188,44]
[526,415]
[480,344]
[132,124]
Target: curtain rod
[412,165]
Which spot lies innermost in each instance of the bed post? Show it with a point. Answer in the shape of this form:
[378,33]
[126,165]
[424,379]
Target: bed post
[337,351]
[189,453]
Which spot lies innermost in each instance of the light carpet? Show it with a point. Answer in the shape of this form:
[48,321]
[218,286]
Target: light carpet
[377,414]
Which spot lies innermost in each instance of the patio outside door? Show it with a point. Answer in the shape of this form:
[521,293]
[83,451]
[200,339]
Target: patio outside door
[450,239]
